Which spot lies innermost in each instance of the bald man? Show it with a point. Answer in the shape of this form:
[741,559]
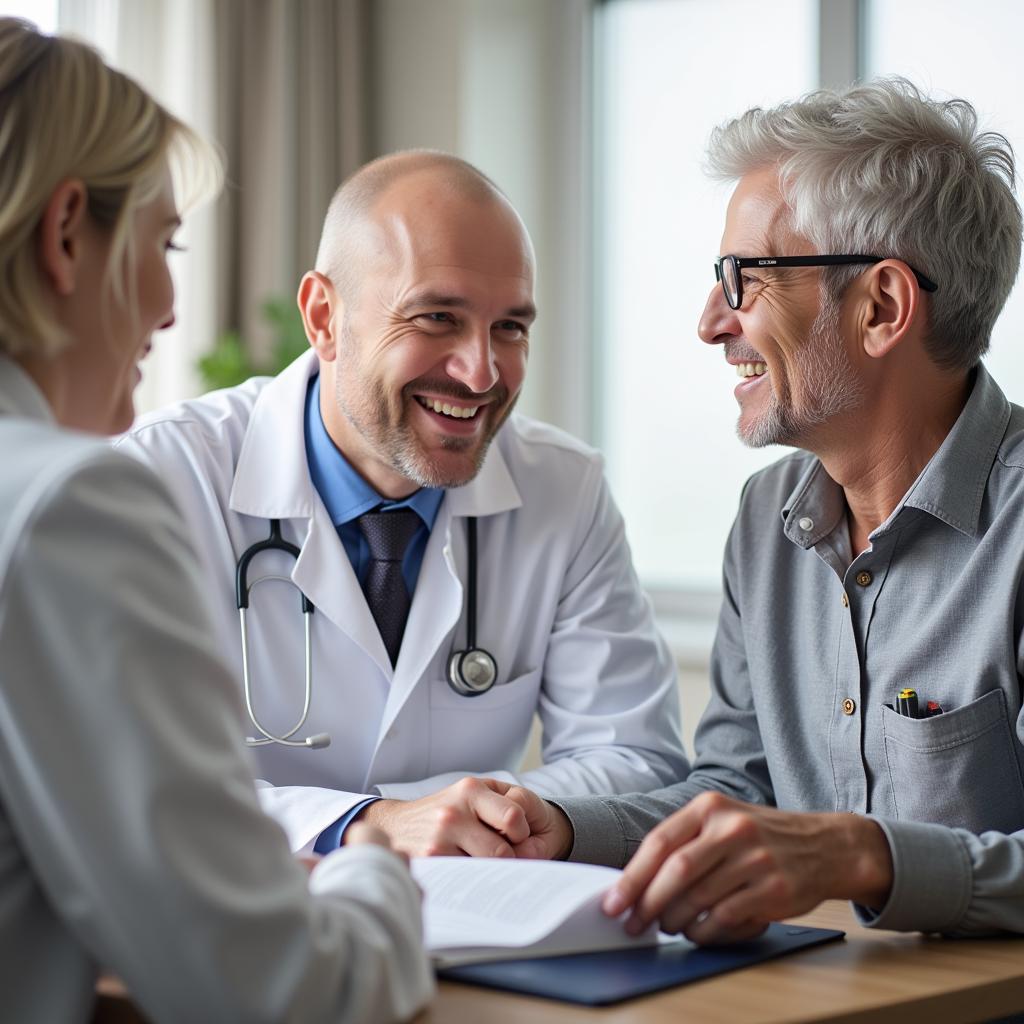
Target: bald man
[374,465]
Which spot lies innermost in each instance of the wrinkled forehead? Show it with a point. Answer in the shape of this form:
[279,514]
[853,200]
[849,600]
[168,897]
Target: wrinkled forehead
[758,221]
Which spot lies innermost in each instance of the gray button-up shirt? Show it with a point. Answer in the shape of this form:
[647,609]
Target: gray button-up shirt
[812,647]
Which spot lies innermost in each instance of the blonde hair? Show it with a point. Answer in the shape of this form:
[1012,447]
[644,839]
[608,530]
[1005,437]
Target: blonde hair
[65,114]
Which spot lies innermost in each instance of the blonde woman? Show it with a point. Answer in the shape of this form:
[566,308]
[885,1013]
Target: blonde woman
[130,836]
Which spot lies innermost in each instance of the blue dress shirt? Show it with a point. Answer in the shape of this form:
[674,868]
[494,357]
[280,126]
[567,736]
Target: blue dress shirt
[346,496]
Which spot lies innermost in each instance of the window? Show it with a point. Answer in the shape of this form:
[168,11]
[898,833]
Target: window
[913,38]
[668,72]
[42,13]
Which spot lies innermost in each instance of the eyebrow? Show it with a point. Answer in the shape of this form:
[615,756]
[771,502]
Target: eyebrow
[526,312]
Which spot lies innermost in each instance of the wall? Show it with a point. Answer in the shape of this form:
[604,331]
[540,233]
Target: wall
[505,86]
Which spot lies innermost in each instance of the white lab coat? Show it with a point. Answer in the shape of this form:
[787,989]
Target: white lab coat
[559,607]
[131,838]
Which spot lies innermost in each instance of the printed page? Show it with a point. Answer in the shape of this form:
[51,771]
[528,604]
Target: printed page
[479,908]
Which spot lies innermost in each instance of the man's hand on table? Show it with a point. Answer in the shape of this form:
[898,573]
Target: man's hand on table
[719,870]
[474,817]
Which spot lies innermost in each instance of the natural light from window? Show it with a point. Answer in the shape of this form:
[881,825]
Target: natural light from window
[915,38]
[670,71]
[42,13]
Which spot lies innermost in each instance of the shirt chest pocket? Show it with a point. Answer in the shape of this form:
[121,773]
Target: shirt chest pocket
[958,769]
[482,733]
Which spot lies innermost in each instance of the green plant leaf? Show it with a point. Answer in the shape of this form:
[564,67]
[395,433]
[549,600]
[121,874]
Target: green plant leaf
[229,362]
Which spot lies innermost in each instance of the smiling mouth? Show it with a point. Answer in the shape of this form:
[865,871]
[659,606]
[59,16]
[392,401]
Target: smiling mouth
[748,370]
[455,412]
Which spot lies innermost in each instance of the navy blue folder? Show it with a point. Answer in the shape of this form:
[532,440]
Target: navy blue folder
[609,976]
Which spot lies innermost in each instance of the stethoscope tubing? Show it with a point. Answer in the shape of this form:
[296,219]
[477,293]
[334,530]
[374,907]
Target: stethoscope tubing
[463,665]
[267,736]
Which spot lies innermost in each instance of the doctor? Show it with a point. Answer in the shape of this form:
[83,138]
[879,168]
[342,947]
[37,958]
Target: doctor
[396,428]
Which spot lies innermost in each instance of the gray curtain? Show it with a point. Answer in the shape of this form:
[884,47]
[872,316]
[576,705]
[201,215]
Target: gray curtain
[292,117]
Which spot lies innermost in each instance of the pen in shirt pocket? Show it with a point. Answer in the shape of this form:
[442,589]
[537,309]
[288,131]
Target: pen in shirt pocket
[908,705]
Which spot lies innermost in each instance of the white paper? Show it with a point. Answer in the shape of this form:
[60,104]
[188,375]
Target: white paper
[480,908]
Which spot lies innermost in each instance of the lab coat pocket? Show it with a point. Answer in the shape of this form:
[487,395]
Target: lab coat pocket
[958,769]
[483,733]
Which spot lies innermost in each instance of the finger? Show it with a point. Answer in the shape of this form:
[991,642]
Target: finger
[672,884]
[551,833]
[767,899]
[532,848]
[476,840]
[537,812]
[735,871]
[656,848]
[501,814]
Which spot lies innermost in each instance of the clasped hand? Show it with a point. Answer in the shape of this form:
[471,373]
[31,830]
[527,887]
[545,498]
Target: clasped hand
[472,817]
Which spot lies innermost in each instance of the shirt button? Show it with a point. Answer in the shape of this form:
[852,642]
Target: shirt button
[864,578]
[806,524]
[846,600]
[849,706]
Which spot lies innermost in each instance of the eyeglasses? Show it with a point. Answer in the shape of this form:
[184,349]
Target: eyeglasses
[727,270]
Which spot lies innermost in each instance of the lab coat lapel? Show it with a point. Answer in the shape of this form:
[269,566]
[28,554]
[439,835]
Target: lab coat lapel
[437,605]
[435,609]
[272,475]
[325,575]
[272,481]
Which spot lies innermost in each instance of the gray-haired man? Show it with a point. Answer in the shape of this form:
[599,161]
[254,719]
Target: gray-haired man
[886,555]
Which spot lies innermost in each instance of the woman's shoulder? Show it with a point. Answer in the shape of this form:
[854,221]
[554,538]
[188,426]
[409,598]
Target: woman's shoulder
[69,478]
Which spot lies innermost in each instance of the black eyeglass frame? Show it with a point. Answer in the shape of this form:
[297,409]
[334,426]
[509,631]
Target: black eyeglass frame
[738,263]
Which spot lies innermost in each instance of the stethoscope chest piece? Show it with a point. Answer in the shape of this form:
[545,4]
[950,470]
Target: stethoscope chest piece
[471,672]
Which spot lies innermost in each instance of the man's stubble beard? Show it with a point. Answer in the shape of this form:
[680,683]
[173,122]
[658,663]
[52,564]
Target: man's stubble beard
[828,385]
[396,442]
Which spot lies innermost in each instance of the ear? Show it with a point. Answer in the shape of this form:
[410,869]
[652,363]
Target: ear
[60,235]
[890,306]
[321,309]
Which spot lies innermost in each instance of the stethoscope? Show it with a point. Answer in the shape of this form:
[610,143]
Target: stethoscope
[471,671]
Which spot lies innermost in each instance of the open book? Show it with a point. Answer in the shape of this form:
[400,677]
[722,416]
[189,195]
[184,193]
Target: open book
[476,909]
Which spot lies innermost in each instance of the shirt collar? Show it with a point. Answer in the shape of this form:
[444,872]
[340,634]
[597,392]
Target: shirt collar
[272,478]
[20,395]
[950,487]
[345,494]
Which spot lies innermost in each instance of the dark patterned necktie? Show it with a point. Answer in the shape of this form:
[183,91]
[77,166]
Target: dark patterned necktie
[388,535]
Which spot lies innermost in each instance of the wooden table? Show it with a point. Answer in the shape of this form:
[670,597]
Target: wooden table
[871,976]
